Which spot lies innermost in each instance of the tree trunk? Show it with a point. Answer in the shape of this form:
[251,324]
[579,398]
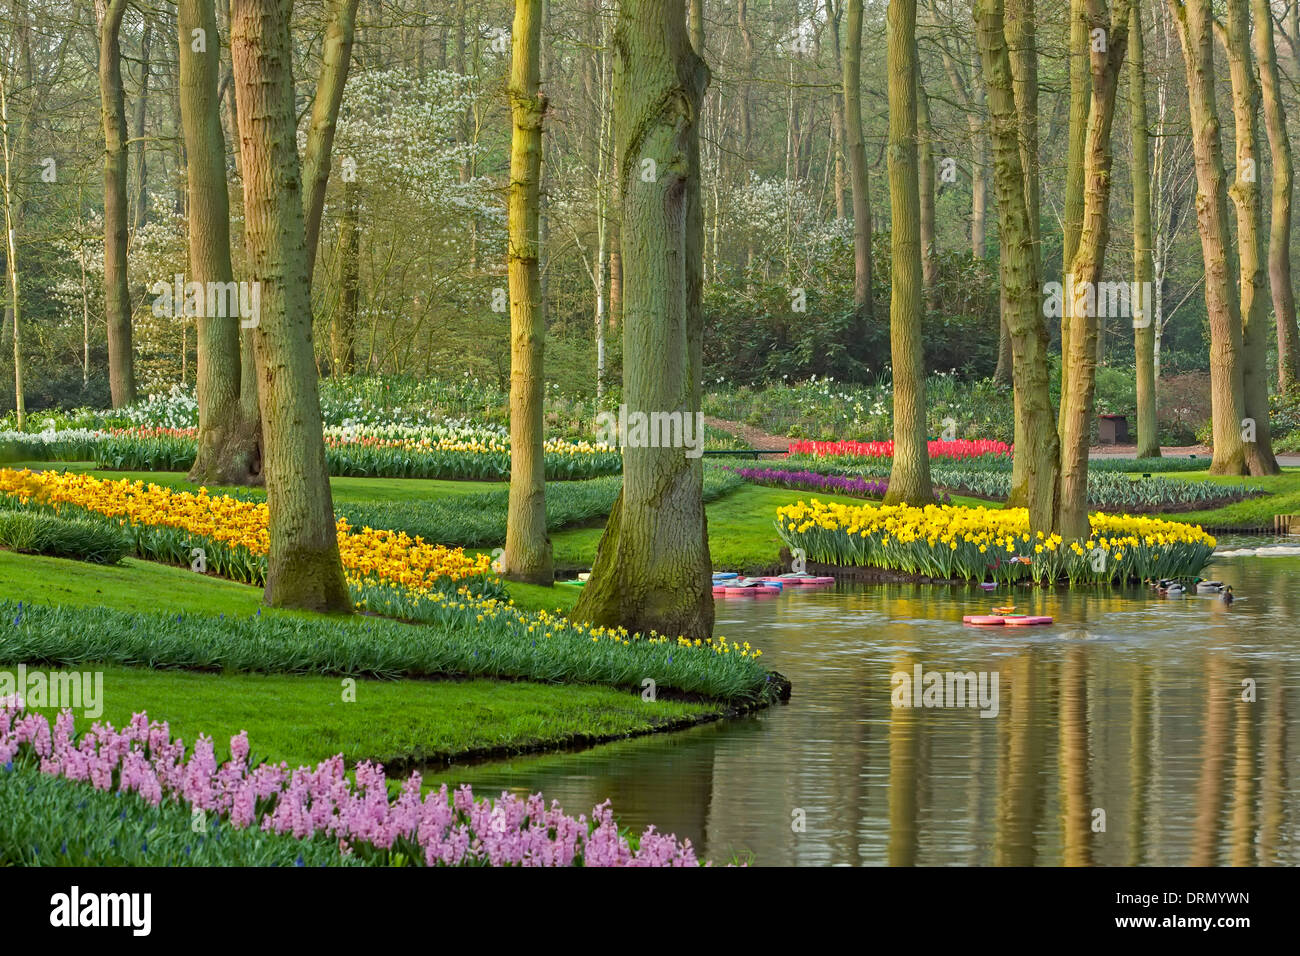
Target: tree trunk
[1279,238]
[1072,214]
[228,451]
[909,477]
[528,547]
[926,177]
[857,162]
[1022,48]
[140,213]
[336,53]
[11,258]
[1244,192]
[1148,430]
[1025,322]
[652,568]
[1193,19]
[343,350]
[303,566]
[117,296]
[1089,259]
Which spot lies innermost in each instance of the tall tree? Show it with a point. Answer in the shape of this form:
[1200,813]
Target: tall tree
[1022,46]
[1025,321]
[857,161]
[303,566]
[1194,23]
[909,477]
[1144,333]
[11,255]
[1072,213]
[652,565]
[926,175]
[528,547]
[117,295]
[1244,192]
[336,54]
[227,452]
[1107,46]
[1279,236]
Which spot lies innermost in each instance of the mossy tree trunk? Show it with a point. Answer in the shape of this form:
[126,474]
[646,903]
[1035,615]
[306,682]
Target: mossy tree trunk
[1244,191]
[303,567]
[1279,237]
[857,161]
[652,568]
[228,443]
[1037,428]
[1144,333]
[1194,22]
[1072,214]
[528,547]
[926,177]
[117,295]
[1106,59]
[909,476]
[1022,46]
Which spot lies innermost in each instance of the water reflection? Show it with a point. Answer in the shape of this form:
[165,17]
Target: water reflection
[1125,735]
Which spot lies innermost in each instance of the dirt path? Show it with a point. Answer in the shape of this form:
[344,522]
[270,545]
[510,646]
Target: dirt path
[756,437]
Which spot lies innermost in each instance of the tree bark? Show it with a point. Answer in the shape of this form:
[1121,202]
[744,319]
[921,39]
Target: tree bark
[140,212]
[343,350]
[1193,19]
[1144,340]
[857,162]
[303,566]
[117,295]
[926,176]
[336,54]
[228,452]
[1244,191]
[1279,238]
[909,476]
[1072,214]
[11,258]
[1024,314]
[1106,61]
[528,547]
[652,568]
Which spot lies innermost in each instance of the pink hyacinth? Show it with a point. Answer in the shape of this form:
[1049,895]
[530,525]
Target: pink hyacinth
[448,828]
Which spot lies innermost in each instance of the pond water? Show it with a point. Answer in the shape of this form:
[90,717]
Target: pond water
[1120,737]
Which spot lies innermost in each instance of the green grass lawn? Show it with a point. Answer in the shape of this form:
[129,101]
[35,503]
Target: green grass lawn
[1283,498]
[301,719]
[304,720]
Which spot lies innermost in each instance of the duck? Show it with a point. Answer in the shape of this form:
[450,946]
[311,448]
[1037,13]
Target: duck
[1227,595]
[1208,587]
[1171,589]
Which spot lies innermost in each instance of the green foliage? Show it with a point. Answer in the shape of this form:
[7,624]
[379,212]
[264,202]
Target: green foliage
[465,639]
[49,821]
[84,539]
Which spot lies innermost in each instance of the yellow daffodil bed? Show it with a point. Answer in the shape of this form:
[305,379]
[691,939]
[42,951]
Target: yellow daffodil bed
[395,575]
[979,544]
[391,557]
